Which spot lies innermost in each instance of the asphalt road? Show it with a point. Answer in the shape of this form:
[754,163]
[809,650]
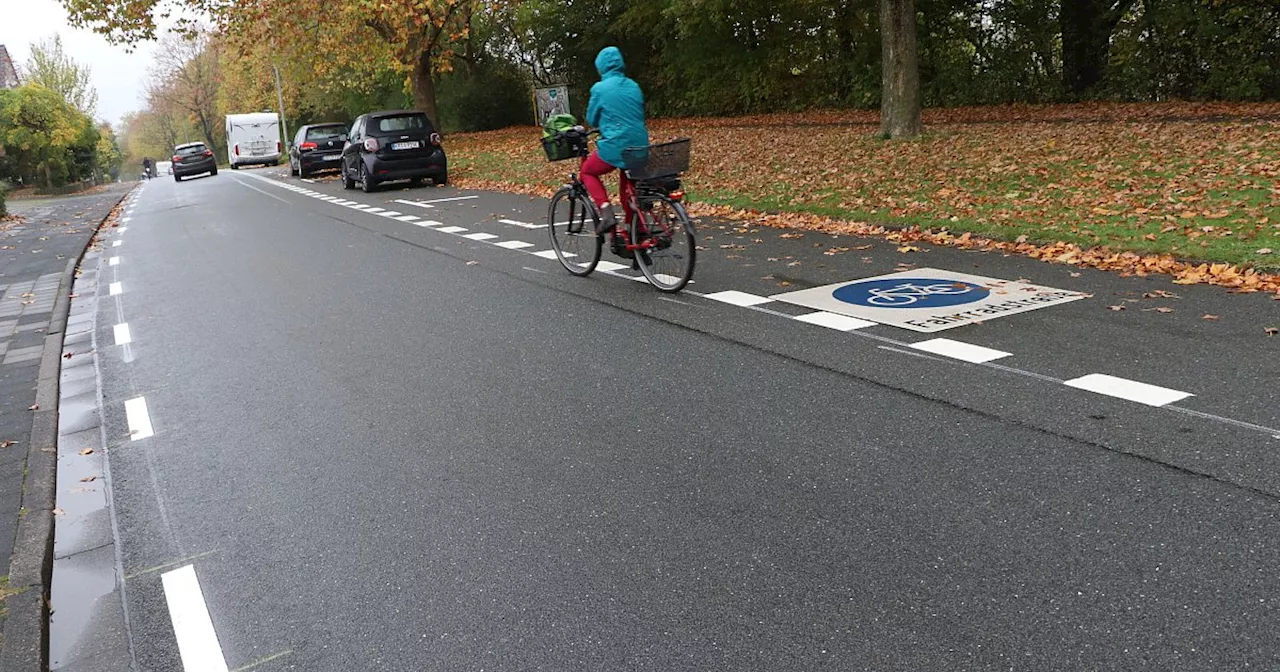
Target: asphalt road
[383,446]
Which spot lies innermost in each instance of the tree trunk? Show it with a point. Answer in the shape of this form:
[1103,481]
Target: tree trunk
[900,70]
[424,89]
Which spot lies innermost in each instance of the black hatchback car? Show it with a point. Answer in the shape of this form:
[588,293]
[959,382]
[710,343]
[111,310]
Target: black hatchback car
[392,145]
[193,158]
[317,147]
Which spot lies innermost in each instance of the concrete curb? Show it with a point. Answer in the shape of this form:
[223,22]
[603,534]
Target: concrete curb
[26,628]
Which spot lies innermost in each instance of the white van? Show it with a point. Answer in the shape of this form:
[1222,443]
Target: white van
[253,139]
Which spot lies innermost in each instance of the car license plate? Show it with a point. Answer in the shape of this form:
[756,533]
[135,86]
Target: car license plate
[412,144]
[334,157]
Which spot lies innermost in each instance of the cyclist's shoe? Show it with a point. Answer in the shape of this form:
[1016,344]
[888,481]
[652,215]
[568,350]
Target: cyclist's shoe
[619,247]
[608,220]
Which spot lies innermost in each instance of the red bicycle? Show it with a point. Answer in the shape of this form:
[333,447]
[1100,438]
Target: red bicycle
[657,235]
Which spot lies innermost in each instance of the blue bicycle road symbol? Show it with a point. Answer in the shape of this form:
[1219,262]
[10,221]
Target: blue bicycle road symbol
[911,293]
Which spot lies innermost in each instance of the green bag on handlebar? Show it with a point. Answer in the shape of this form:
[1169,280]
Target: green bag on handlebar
[558,123]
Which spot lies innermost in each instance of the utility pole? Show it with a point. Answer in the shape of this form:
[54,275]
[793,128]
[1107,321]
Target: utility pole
[284,126]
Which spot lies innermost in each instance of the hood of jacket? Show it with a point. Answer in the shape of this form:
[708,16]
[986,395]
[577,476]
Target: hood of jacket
[609,63]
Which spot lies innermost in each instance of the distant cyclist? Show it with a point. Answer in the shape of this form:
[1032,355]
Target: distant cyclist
[146,167]
[616,108]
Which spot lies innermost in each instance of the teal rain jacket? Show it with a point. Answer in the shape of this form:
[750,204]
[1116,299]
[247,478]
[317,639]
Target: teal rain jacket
[617,109]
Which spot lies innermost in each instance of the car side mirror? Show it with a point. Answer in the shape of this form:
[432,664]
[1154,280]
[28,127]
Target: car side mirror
[343,137]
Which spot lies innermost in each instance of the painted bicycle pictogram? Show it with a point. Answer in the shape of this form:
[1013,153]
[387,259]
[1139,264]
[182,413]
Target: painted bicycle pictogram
[911,293]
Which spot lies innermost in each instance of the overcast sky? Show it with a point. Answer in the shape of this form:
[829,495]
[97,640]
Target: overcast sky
[117,74]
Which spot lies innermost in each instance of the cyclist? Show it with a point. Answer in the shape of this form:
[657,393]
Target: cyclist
[616,107]
[146,167]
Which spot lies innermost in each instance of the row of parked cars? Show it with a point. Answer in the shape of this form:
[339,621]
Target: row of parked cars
[378,147]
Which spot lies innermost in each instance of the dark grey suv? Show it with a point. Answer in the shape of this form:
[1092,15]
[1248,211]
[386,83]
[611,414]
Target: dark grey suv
[392,145]
[193,158]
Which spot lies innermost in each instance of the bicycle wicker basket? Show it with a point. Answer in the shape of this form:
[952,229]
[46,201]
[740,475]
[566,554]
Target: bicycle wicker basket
[663,160]
[563,146]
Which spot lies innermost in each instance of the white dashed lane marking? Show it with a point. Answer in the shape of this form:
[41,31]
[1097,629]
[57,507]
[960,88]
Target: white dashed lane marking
[115,288]
[113,261]
[197,641]
[135,411]
[480,236]
[525,225]
[1151,395]
[736,298]
[834,321]
[965,352]
[515,244]
[451,229]
[122,334]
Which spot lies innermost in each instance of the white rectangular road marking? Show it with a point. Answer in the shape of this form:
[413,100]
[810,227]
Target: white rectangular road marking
[122,334]
[126,219]
[414,203]
[551,254]
[428,222]
[514,244]
[115,243]
[408,218]
[390,213]
[374,210]
[123,229]
[834,321]
[737,298]
[480,236]
[361,206]
[135,411]
[966,352]
[451,229]
[445,200]
[1132,390]
[197,642]
[115,288]
[113,261]
[610,266]
[525,225]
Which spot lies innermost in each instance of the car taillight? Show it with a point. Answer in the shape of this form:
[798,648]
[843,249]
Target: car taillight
[677,196]
[306,145]
[370,144]
[237,149]
[435,139]
[208,152]
[277,146]
[177,159]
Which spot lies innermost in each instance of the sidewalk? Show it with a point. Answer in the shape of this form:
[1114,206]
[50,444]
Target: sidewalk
[37,255]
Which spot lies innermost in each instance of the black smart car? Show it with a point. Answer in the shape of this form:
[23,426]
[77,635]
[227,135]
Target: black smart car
[317,147]
[392,145]
[193,158]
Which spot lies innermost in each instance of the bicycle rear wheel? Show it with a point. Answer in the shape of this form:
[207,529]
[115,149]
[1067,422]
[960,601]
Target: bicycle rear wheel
[666,250]
[571,222]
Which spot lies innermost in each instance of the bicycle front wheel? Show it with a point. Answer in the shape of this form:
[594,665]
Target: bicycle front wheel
[571,221]
[665,247]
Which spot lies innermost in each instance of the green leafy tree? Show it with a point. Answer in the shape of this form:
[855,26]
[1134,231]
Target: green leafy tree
[45,134]
[52,68]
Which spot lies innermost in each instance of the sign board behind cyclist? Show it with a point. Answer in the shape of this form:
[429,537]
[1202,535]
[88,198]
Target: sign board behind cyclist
[929,299]
[550,100]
